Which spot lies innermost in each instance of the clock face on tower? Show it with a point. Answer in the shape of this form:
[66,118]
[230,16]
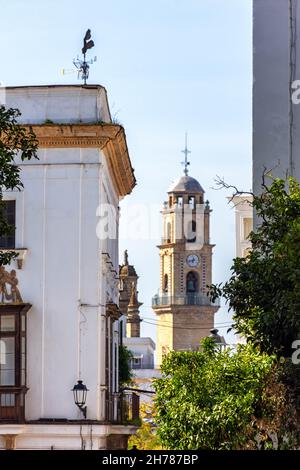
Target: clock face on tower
[192,261]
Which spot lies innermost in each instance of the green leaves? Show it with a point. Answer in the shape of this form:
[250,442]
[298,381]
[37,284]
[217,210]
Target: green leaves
[125,373]
[215,399]
[264,289]
[205,399]
[15,141]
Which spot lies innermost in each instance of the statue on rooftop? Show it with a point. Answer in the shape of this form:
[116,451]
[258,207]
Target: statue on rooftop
[126,258]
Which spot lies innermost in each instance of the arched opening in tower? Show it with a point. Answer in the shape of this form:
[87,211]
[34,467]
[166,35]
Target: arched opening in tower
[166,283]
[192,284]
[192,227]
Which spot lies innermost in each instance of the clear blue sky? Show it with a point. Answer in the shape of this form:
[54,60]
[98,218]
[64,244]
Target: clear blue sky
[168,66]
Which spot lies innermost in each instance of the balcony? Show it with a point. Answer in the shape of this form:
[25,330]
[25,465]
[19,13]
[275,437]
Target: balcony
[142,365]
[12,404]
[123,408]
[189,299]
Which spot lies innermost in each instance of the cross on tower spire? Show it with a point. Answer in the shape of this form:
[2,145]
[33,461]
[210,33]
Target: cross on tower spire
[186,163]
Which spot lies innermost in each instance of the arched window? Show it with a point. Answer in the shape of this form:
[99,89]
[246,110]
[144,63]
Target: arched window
[191,233]
[166,282]
[192,283]
[191,202]
[179,201]
[169,232]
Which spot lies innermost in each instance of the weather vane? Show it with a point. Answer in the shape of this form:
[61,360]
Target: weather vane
[83,66]
[186,163]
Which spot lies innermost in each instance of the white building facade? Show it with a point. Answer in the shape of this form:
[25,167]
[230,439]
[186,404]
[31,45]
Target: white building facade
[243,223]
[143,352]
[69,272]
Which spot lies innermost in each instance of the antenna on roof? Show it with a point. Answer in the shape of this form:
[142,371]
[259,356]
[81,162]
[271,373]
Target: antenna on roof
[83,66]
[186,163]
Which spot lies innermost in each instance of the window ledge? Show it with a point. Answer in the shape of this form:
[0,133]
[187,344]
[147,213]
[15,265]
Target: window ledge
[19,260]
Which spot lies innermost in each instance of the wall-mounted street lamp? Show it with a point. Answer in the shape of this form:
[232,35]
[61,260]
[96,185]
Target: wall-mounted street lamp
[219,340]
[80,391]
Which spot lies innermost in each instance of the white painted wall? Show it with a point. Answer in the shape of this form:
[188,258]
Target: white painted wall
[243,210]
[276,142]
[58,103]
[64,267]
[143,348]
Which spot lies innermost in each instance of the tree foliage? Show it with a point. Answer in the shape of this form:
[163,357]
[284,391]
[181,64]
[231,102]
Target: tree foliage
[15,142]
[146,437]
[125,373]
[212,399]
[264,289]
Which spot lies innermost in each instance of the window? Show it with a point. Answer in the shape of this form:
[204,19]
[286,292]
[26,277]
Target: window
[136,363]
[12,362]
[179,201]
[191,202]
[9,214]
[7,361]
[247,227]
[169,232]
[166,282]
[115,368]
[192,288]
[191,233]
[191,283]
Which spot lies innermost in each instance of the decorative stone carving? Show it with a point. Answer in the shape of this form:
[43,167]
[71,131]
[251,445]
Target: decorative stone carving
[113,311]
[133,319]
[126,258]
[127,275]
[11,294]
[133,296]
[111,278]
[110,138]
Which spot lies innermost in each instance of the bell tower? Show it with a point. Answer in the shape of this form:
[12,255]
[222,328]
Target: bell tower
[184,312]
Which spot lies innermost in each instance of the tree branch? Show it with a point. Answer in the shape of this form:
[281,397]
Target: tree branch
[221,184]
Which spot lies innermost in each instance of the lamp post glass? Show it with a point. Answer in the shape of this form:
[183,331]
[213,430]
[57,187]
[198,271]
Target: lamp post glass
[80,391]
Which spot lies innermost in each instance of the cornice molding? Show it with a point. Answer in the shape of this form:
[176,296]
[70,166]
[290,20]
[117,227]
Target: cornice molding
[113,311]
[110,138]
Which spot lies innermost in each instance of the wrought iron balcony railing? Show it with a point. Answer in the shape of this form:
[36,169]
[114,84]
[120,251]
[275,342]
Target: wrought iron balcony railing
[143,365]
[189,299]
[122,408]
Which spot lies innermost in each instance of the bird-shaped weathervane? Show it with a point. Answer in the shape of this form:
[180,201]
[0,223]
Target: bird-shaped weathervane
[83,66]
[88,43]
